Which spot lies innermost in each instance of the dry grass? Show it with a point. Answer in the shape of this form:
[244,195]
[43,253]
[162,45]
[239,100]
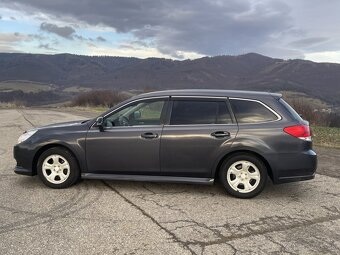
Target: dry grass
[326,136]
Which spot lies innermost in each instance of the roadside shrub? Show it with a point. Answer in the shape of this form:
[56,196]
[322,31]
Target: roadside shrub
[334,120]
[315,117]
[305,110]
[106,98]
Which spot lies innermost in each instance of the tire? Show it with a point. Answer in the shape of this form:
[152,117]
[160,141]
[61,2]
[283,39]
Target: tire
[243,175]
[58,168]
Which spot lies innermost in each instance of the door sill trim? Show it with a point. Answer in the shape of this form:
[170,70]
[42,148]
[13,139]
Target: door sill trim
[148,178]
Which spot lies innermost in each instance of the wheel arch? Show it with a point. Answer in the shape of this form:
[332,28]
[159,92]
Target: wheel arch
[247,151]
[49,146]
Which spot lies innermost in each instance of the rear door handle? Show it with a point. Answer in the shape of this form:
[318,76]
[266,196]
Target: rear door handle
[149,135]
[220,134]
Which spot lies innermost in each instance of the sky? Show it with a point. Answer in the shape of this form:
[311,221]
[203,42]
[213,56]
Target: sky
[177,29]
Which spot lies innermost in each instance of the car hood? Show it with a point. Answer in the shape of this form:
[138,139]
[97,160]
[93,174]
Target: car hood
[64,124]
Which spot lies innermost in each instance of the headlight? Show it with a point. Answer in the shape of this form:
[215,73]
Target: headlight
[26,135]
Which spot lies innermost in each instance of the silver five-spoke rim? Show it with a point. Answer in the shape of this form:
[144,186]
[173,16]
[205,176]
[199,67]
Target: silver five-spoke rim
[243,176]
[56,169]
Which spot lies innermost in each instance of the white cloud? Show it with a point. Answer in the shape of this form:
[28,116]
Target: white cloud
[189,55]
[10,41]
[124,52]
[132,50]
[325,56]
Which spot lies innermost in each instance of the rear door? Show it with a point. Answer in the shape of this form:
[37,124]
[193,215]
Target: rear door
[198,131]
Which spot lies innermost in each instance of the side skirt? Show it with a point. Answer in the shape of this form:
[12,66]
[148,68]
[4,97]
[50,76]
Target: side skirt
[148,178]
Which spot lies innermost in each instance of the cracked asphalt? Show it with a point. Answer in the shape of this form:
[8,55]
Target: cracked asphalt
[108,217]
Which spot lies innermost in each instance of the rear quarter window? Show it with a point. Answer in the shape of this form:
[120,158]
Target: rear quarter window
[247,111]
[291,110]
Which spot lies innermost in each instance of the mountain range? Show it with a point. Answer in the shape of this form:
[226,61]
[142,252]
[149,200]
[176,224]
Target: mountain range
[250,71]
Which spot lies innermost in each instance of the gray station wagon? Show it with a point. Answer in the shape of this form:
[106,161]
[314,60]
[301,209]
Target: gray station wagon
[182,136]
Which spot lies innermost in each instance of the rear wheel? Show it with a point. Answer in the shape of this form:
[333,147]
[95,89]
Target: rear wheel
[58,168]
[243,175]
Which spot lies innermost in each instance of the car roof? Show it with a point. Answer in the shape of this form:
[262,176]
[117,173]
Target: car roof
[210,92]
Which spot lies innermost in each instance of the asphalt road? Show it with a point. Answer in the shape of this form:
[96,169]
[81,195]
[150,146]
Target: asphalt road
[107,217]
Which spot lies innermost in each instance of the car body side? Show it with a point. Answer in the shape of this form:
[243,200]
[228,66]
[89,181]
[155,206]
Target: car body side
[287,158]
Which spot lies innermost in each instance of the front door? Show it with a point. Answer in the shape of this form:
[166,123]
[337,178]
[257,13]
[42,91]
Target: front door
[130,140]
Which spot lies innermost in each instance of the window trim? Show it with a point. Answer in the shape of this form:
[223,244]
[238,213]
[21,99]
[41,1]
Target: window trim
[278,116]
[199,97]
[169,104]
[210,98]
[163,118]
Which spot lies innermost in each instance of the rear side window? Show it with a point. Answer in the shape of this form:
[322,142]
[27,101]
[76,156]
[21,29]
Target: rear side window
[251,111]
[190,112]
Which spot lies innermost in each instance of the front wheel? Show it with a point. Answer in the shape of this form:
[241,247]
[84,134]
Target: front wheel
[58,168]
[243,175]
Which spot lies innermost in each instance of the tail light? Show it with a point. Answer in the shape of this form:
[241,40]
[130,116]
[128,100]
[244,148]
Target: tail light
[299,131]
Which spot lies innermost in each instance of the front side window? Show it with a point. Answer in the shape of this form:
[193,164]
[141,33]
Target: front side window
[251,111]
[191,112]
[137,114]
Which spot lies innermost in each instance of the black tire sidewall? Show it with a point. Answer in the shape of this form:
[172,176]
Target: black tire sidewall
[74,169]
[248,157]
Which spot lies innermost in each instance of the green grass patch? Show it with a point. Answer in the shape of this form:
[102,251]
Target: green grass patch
[326,136]
[24,86]
[76,89]
[88,109]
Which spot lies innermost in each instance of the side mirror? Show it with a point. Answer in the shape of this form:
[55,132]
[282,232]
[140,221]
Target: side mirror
[137,115]
[99,123]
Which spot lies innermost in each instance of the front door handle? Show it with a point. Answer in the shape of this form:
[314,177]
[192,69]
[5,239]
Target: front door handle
[220,134]
[149,135]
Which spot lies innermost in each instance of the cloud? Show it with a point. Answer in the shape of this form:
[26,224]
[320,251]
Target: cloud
[46,46]
[13,37]
[9,41]
[38,37]
[124,52]
[14,42]
[85,39]
[325,56]
[206,27]
[308,42]
[79,37]
[280,28]
[66,31]
[101,39]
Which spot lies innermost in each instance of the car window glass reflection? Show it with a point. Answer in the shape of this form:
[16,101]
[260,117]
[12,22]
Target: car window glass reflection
[137,114]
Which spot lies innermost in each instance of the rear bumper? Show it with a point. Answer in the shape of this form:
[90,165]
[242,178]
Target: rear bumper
[292,167]
[295,179]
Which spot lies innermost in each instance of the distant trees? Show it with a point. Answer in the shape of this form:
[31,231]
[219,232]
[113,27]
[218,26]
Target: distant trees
[107,98]
[20,98]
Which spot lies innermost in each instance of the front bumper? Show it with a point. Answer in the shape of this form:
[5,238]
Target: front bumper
[24,157]
[23,171]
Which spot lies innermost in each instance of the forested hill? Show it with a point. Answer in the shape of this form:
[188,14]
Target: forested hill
[250,71]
